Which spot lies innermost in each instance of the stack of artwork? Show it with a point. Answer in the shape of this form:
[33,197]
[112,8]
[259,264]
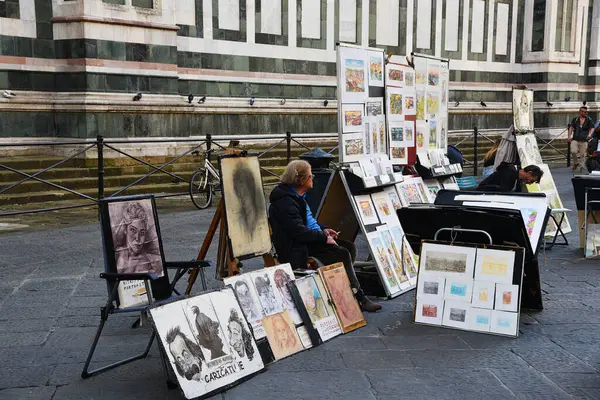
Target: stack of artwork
[362,118]
[207,341]
[534,210]
[475,289]
[270,309]
[396,263]
[431,85]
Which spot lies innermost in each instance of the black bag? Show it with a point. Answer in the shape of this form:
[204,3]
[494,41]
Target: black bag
[593,164]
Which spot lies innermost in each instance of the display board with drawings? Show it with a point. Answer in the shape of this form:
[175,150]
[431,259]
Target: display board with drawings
[400,114]
[432,79]
[394,258]
[362,129]
[470,287]
[207,342]
[264,296]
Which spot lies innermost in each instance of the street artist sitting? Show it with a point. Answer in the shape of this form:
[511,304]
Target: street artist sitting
[296,233]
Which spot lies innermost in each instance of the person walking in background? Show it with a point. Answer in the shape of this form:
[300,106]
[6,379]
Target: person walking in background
[580,131]
[489,159]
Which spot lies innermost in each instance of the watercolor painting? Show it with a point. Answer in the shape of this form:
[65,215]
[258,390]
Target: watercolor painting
[354,75]
[395,103]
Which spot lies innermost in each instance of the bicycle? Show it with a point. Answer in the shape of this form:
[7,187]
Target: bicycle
[204,183]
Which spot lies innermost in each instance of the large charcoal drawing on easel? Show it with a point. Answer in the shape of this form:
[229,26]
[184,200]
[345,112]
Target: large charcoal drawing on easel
[245,206]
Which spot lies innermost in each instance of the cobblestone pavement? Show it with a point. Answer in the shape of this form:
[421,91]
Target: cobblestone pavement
[50,298]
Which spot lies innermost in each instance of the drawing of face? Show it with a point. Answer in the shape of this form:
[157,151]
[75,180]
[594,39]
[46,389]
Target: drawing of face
[235,337]
[281,281]
[187,355]
[243,292]
[283,333]
[136,236]
[250,198]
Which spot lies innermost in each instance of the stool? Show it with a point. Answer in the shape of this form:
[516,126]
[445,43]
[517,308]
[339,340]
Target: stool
[563,212]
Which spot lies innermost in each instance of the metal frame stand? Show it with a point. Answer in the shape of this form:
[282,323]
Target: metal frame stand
[340,171]
[559,231]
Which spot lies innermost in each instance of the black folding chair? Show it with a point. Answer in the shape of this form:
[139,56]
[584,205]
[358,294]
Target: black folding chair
[132,243]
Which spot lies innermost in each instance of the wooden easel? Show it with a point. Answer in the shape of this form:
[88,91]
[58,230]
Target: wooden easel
[225,260]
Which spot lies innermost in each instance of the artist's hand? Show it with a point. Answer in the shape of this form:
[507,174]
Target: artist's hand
[331,232]
[330,240]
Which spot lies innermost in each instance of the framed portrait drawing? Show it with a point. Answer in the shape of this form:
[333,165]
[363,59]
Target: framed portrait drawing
[243,287]
[314,306]
[133,244]
[346,307]
[245,206]
[282,335]
[203,337]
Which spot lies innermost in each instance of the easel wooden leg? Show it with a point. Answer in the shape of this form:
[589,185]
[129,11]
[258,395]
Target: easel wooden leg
[216,221]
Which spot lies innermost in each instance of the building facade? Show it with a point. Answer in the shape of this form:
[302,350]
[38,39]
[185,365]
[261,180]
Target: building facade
[75,65]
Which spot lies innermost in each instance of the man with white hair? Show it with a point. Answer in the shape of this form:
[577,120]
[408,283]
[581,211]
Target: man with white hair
[296,233]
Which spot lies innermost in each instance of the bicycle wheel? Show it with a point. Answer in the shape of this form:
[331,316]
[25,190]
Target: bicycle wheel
[200,189]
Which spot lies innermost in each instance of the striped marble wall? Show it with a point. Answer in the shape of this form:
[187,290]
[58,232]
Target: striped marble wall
[234,49]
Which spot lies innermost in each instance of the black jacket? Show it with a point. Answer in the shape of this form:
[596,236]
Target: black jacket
[505,179]
[290,235]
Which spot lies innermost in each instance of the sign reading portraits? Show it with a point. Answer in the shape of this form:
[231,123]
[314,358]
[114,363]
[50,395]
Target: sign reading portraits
[207,341]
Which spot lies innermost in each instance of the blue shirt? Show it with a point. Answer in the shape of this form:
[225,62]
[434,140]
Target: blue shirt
[311,222]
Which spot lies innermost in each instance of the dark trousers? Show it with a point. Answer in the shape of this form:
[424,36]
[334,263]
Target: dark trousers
[330,254]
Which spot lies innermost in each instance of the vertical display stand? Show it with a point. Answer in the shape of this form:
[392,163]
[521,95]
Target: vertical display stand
[364,147]
[340,211]
[432,93]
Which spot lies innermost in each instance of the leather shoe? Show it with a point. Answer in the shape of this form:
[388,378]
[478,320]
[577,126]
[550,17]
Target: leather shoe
[367,305]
